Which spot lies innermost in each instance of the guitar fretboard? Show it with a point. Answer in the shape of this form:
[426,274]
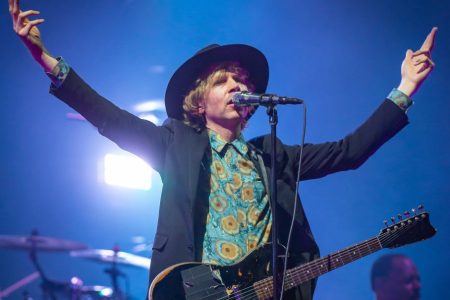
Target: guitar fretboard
[308,271]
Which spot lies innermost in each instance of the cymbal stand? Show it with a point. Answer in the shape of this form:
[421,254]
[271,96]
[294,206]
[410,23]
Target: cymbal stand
[48,286]
[114,273]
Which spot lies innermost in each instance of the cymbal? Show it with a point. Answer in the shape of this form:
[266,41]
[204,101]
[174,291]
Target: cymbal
[40,243]
[110,256]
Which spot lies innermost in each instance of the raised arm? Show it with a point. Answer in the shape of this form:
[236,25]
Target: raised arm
[30,35]
[352,151]
[132,134]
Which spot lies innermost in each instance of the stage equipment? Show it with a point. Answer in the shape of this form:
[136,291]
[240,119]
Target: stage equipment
[111,256]
[271,101]
[35,243]
[252,99]
[251,277]
[114,257]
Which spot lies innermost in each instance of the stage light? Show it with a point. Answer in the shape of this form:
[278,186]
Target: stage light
[150,105]
[150,117]
[104,292]
[127,171]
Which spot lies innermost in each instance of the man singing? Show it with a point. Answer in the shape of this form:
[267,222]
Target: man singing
[215,201]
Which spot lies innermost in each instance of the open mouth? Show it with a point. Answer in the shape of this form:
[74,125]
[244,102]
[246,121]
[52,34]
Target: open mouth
[231,103]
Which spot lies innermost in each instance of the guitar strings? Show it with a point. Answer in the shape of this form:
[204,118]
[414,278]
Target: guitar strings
[245,292]
[344,255]
[384,237]
[387,236]
[312,267]
[248,293]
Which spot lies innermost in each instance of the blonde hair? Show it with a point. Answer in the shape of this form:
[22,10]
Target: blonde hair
[194,98]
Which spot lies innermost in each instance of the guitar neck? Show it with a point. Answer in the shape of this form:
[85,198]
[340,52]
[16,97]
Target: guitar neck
[315,268]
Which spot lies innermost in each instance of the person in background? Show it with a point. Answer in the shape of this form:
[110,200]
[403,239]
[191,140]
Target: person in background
[395,277]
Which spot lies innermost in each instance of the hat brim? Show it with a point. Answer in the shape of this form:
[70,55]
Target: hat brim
[184,78]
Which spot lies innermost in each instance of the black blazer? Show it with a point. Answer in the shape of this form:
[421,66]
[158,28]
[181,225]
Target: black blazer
[176,150]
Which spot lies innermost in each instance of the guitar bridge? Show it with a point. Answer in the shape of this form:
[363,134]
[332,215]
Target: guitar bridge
[203,282]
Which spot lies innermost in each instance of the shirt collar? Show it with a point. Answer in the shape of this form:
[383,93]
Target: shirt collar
[218,143]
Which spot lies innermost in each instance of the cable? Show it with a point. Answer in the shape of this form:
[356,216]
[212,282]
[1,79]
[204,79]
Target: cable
[295,200]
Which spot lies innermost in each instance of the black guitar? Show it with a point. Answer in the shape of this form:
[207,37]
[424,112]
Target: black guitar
[251,277]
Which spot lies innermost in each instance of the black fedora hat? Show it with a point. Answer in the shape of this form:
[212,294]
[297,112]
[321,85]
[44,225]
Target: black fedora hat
[184,78]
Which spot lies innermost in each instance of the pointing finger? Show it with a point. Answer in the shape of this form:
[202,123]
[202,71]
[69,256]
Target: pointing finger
[429,41]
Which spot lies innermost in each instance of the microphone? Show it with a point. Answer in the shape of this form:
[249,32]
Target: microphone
[253,99]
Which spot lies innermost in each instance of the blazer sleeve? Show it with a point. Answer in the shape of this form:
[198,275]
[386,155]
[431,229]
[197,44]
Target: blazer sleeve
[352,151]
[129,132]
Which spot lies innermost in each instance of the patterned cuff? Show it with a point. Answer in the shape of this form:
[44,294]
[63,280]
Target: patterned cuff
[399,98]
[59,72]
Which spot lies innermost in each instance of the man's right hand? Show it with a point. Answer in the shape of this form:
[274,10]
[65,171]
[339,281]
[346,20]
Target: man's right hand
[30,35]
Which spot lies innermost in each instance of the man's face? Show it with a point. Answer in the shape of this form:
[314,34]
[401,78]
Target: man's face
[402,283]
[217,105]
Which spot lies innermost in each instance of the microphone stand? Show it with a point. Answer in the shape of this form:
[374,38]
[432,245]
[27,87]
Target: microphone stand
[270,100]
[273,120]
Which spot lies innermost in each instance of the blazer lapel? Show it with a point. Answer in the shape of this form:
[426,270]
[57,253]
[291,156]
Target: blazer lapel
[191,157]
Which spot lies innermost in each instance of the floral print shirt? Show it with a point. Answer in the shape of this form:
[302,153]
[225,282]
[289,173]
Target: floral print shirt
[239,216]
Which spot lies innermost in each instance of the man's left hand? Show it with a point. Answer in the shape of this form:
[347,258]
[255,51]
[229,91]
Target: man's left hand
[417,65]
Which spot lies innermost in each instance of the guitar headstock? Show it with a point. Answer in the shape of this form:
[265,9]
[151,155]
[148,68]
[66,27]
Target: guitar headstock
[411,228]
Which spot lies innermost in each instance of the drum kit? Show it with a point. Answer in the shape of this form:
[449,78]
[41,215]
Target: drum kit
[73,290]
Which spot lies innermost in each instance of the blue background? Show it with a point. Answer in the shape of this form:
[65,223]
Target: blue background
[342,57]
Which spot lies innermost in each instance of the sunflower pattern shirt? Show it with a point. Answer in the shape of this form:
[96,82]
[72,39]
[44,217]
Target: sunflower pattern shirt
[239,216]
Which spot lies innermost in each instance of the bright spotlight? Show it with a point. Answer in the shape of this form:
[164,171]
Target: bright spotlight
[127,171]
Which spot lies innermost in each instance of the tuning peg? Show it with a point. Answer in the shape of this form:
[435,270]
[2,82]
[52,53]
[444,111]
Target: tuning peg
[420,207]
[406,213]
[393,220]
[386,223]
[399,216]
[413,210]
